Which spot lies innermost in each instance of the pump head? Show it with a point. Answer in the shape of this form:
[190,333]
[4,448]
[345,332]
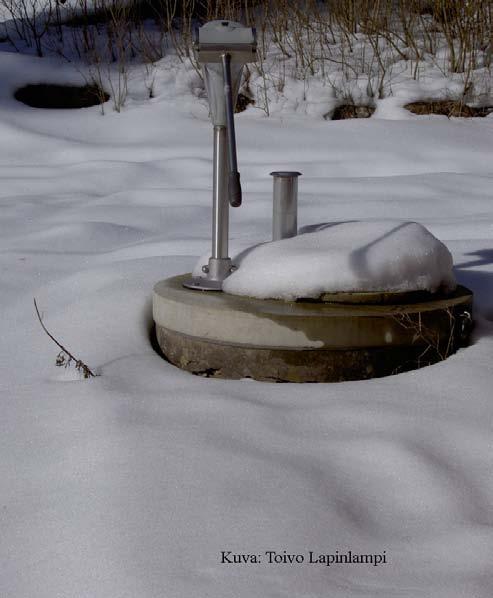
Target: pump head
[216,38]
[222,48]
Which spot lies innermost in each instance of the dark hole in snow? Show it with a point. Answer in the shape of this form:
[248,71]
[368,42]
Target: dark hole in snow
[447,108]
[61,96]
[352,111]
[242,102]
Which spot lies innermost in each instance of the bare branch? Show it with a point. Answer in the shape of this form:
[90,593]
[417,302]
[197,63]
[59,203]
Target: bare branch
[65,353]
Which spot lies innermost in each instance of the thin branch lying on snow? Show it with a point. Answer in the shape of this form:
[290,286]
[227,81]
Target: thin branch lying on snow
[65,358]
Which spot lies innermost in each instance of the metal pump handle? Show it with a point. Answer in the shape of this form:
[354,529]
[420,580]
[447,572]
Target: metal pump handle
[234,185]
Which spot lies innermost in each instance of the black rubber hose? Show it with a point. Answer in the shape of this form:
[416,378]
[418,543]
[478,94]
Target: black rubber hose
[234,185]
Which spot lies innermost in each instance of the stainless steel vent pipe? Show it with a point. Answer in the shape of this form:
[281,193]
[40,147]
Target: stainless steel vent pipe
[285,205]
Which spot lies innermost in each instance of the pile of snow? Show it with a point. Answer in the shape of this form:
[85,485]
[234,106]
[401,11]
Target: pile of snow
[384,255]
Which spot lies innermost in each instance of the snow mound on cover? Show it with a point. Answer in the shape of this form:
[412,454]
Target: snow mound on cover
[345,256]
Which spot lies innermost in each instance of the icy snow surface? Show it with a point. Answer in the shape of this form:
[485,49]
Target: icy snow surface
[343,256]
[131,484]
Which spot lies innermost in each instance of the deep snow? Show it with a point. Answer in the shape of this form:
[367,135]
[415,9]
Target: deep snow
[131,484]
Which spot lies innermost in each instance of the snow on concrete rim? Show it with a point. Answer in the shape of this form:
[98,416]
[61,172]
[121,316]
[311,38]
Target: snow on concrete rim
[358,256]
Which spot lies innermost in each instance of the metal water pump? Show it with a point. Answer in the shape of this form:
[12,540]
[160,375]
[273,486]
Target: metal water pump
[222,48]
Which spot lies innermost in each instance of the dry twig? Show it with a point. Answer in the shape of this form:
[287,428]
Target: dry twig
[65,358]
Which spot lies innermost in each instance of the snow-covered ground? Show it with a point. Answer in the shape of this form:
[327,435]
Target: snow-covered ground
[131,484]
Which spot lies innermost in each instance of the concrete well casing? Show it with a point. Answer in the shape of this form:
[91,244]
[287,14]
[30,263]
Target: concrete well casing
[227,336]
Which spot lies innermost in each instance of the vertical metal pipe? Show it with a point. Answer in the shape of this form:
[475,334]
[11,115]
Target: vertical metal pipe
[285,205]
[220,203]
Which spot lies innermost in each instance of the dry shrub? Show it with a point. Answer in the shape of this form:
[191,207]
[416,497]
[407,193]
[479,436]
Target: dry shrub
[359,39]
[447,108]
[352,111]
